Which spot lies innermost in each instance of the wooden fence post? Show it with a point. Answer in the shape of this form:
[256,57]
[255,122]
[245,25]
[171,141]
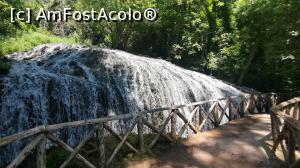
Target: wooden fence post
[259,104]
[298,111]
[140,128]
[25,152]
[241,109]
[100,136]
[230,112]
[274,99]
[41,152]
[291,146]
[173,124]
[268,103]
[273,125]
[293,110]
[197,120]
[250,104]
[216,115]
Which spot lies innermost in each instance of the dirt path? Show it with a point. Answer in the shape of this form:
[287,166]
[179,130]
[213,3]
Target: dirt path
[243,143]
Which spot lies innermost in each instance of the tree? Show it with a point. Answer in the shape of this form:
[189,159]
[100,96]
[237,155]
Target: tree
[269,34]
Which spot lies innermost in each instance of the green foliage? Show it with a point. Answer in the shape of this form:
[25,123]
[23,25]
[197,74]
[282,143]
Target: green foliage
[270,28]
[119,35]
[6,27]
[25,41]
[4,66]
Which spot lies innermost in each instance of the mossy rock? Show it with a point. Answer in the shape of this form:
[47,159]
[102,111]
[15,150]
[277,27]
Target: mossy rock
[4,65]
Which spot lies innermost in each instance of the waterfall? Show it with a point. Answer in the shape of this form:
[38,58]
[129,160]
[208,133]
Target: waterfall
[57,83]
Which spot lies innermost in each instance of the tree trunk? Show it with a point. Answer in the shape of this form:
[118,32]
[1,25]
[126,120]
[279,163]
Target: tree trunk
[247,66]
[226,16]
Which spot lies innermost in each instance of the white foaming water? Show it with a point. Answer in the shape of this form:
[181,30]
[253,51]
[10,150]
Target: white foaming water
[58,83]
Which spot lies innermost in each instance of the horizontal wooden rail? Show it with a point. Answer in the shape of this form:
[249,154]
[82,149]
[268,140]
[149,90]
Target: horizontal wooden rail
[54,127]
[179,121]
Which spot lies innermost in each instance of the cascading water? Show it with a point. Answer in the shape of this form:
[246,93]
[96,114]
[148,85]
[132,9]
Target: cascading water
[58,83]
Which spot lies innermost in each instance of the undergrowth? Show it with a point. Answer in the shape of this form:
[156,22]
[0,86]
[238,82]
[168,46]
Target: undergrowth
[56,155]
[25,41]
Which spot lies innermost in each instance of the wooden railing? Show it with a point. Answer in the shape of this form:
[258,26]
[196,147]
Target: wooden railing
[285,119]
[211,112]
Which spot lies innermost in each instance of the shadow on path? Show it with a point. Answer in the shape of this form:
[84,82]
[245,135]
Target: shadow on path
[243,143]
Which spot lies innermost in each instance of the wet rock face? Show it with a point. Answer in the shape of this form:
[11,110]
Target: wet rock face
[57,83]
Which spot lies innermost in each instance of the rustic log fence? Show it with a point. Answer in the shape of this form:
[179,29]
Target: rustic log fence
[210,112]
[285,119]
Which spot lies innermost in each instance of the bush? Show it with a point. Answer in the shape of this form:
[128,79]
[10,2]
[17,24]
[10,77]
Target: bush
[4,66]
[25,41]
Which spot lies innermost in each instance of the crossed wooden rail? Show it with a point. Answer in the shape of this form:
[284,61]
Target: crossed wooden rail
[285,119]
[211,113]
